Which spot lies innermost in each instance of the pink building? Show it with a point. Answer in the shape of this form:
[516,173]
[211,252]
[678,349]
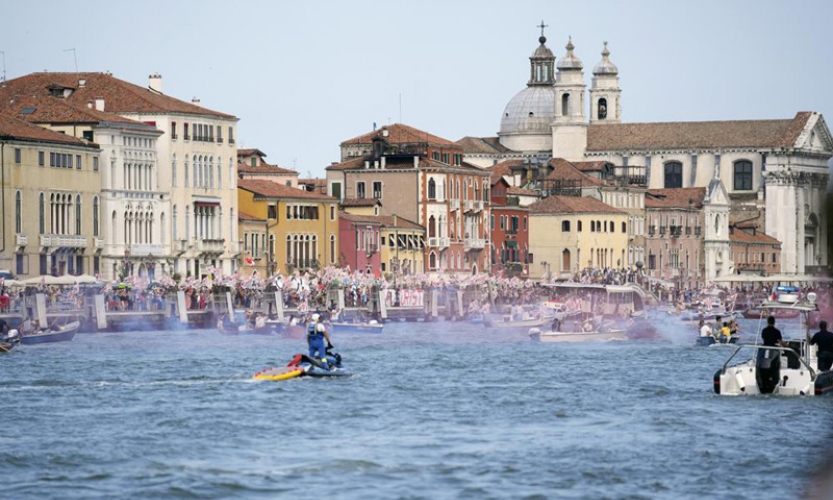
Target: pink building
[359,238]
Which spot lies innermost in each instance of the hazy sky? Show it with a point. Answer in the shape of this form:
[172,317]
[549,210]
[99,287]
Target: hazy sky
[304,76]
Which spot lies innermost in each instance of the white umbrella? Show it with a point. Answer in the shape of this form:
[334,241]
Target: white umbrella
[51,280]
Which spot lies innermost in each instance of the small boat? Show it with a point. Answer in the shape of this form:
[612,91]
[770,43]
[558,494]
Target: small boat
[756,313]
[506,323]
[371,326]
[781,371]
[52,334]
[544,336]
[696,316]
[305,366]
[10,340]
[710,341]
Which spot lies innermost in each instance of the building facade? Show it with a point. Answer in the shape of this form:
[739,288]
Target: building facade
[509,227]
[52,220]
[360,240]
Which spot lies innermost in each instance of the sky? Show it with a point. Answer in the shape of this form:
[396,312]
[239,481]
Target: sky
[303,76]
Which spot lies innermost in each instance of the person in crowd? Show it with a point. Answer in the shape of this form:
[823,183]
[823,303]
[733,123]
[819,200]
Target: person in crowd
[725,332]
[705,329]
[770,335]
[824,340]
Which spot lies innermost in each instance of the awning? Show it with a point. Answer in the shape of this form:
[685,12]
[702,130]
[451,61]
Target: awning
[511,244]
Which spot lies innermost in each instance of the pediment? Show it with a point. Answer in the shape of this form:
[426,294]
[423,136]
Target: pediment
[816,136]
[716,193]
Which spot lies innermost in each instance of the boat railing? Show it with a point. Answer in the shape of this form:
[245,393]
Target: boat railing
[770,348]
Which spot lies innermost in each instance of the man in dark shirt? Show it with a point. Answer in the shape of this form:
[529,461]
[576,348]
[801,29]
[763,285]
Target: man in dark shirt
[824,340]
[770,335]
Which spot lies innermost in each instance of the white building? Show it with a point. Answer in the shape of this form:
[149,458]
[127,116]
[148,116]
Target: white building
[167,201]
[774,169]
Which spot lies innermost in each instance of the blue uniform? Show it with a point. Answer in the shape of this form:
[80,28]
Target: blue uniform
[317,344]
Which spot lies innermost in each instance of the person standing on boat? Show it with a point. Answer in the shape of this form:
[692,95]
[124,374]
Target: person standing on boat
[770,335]
[705,329]
[316,335]
[824,340]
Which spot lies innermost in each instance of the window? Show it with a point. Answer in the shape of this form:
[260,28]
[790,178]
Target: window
[432,189]
[602,111]
[652,262]
[493,222]
[19,263]
[95,163]
[332,212]
[78,214]
[565,105]
[18,212]
[173,170]
[253,161]
[17,156]
[360,192]
[743,175]
[565,226]
[624,227]
[335,190]
[272,212]
[185,131]
[95,216]
[41,214]
[40,158]
[78,162]
[173,130]
[219,134]
[592,226]
[673,174]
[230,135]
[377,190]
[578,226]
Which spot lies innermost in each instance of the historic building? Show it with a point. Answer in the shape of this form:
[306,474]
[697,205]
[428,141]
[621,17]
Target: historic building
[251,165]
[570,233]
[423,178]
[171,198]
[509,228]
[754,252]
[254,256]
[360,239]
[301,227]
[52,220]
[776,166]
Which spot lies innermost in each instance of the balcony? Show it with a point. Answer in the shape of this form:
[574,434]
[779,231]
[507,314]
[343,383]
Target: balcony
[371,249]
[688,230]
[187,137]
[180,246]
[231,141]
[454,204]
[63,241]
[478,205]
[21,240]
[676,231]
[474,243]
[145,249]
[438,242]
[219,140]
[211,246]
[697,231]
[98,243]
[469,205]
[662,230]
[652,230]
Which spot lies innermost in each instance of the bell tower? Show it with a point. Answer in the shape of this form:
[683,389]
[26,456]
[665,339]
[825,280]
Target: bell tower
[605,94]
[569,130]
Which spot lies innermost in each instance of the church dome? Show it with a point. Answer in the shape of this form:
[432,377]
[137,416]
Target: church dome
[605,67]
[570,61]
[531,111]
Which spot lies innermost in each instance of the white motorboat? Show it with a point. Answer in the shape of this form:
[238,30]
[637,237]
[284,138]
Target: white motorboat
[545,336]
[781,371]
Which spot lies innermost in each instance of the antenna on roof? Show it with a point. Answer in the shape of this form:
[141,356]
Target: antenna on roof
[4,66]
[74,57]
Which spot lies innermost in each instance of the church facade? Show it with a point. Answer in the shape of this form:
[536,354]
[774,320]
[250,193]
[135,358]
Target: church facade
[774,171]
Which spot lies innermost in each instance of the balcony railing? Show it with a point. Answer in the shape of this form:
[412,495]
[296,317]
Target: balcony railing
[371,249]
[219,140]
[469,205]
[652,230]
[455,204]
[662,230]
[180,246]
[145,249]
[21,240]
[98,243]
[174,137]
[63,241]
[438,242]
[231,141]
[211,246]
[474,243]
[688,230]
[676,231]
[187,137]
[697,231]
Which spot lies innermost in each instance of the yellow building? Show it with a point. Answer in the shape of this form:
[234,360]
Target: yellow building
[301,227]
[253,239]
[52,219]
[403,246]
[568,234]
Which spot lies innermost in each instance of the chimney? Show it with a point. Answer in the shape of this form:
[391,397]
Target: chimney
[90,104]
[99,103]
[416,161]
[82,83]
[395,220]
[366,164]
[376,164]
[383,163]
[195,101]
[155,82]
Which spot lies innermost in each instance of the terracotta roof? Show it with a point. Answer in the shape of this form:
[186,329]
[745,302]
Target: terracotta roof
[590,166]
[15,128]
[269,189]
[54,110]
[675,197]
[740,236]
[264,168]
[360,202]
[564,170]
[571,204]
[498,170]
[399,133]
[481,145]
[743,219]
[516,191]
[685,135]
[313,182]
[351,164]
[400,163]
[119,96]
[250,152]
[384,220]
[242,216]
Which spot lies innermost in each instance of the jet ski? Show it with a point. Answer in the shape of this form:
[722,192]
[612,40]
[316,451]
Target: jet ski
[305,366]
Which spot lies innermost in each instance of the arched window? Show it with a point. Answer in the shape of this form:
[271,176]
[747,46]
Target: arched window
[77,214]
[332,249]
[41,214]
[187,222]
[592,226]
[673,174]
[186,171]
[565,226]
[96,230]
[743,175]
[624,227]
[18,212]
[565,260]
[432,189]
[173,223]
[565,104]
[432,227]
[219,173]
[432,261]
[602,111]
[230,174]
[578,226]
[173,170]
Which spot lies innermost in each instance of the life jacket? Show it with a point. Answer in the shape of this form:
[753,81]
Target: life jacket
[313,333]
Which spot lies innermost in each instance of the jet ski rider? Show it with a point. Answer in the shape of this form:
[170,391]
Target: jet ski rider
[316,335]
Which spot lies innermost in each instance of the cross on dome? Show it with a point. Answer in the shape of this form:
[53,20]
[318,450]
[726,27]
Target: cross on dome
[542,39]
